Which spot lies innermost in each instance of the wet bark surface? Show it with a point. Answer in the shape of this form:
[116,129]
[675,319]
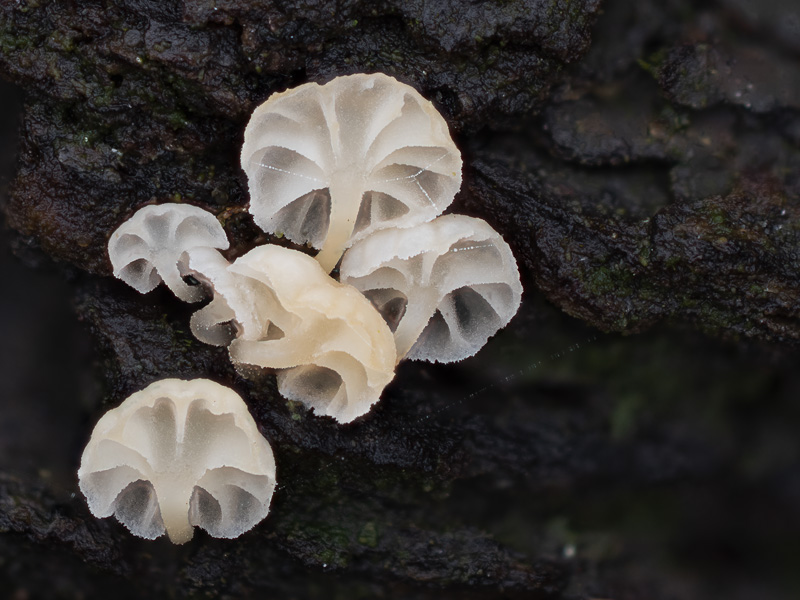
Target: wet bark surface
[643,161]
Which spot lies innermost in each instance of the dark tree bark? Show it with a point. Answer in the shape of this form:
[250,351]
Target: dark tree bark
[643,161]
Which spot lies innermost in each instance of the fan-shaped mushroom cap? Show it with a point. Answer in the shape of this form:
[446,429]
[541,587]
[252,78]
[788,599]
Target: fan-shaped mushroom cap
[330,164]
[178,454]
[147,248]
[446,286]
[335,351]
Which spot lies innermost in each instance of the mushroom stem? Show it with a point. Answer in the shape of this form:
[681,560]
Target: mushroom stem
[172,278]
[175,515]
[419,310]
[346,190]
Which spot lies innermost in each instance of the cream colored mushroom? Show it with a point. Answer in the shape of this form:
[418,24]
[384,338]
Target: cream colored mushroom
[328,165]
[333,350]
[445,286]
[147,248]
[179,454]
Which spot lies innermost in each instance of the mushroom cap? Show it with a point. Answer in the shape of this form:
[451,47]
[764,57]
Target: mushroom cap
[179,454]
[335,352]
[329,164]
[147,248]
[445,286]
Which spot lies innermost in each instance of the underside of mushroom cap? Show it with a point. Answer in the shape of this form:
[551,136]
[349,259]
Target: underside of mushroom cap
[147,248]
[445,286]
[337,351]
[328,165]
[179,454]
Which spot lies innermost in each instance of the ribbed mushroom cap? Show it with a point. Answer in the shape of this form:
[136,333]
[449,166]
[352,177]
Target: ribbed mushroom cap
[147,248]
[179,454]
[328,165]
[445,286]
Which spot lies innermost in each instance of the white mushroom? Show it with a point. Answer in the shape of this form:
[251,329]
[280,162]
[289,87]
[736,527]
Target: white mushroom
[328,165]
[334,351]
[445,286]
[179,454]
[147,248]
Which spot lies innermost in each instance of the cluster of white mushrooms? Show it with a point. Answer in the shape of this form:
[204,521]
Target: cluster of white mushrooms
[360,168]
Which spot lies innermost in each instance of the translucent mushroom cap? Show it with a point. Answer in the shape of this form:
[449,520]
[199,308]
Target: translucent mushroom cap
[445,286]
[179,454]
[328,165]
[147,248]
[335,352]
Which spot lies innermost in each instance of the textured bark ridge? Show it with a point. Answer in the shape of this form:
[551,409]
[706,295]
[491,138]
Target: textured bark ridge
[643,163]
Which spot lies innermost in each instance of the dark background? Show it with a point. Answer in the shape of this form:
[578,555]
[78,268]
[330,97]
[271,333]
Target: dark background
[645,447]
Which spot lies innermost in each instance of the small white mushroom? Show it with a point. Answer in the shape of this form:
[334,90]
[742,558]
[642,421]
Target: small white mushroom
[445,286]
[179,454]
[328,165]
[147,248]
[333,350]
